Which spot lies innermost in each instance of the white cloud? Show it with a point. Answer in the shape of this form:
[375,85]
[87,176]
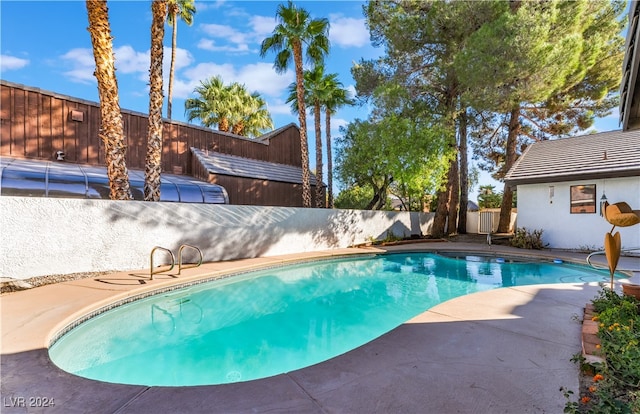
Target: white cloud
[230,39]
[352,90]
[348,31]
[336,123]
[127,61]
[262,25]
[130,61]
[210,45]
[184,58]
[11,63]
[181,89]
[208,5]
[225,32]
[82,65]
[259,77]
[203,71]
[278,107]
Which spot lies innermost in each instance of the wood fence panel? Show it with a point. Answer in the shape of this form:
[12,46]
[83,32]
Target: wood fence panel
[19,114]
[182,154]
[36,124]
[68,132]
[31,124]
[6,108]
[83,140]
[57,125]
[45,150]
[95,152]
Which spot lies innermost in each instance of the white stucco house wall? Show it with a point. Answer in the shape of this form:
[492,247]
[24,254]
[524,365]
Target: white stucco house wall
[561,184]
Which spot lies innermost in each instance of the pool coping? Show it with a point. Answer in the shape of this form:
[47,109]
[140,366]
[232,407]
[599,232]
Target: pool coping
[31,317]
[144,291]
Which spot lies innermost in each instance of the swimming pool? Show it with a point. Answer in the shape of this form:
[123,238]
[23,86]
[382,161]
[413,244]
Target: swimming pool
[273,321]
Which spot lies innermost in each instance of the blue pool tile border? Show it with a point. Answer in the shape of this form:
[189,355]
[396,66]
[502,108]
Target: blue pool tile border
[84,318]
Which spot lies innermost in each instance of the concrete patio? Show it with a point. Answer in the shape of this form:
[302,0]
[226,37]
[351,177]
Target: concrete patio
[501,351]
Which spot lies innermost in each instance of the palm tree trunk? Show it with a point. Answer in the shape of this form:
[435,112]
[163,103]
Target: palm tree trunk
[238,129]
[153,165]
[223,125]
[329,159]
[111,129]
[174,45]
[302,118]
[510,159]
[320,199]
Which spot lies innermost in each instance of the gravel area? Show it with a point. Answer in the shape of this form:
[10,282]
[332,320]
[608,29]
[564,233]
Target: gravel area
[12,285]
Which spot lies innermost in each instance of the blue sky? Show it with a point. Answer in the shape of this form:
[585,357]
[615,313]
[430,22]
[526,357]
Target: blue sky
[45,44]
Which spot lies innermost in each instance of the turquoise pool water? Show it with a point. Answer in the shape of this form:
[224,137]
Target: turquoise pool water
[264,323]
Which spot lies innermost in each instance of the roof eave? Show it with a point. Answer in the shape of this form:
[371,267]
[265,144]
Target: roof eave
[514,182]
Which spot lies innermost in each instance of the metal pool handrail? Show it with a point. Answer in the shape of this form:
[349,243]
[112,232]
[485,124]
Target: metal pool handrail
[173,261]
[601,252]
[180,266]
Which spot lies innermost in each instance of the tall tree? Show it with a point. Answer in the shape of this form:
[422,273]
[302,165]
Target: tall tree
[421,40]
[183,9]
[488,198]
[542,65]
[375,154]
[212,105]
[464,173]
[313,94]
[296,28]
[111,130]
[399,146]
[153,164]
[333,98]
[229,107]
[250,116]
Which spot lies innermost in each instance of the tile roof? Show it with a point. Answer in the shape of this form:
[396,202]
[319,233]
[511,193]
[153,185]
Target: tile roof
[233,165]
[604,155]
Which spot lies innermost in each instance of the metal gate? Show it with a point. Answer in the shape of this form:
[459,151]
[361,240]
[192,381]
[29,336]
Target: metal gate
[485,222]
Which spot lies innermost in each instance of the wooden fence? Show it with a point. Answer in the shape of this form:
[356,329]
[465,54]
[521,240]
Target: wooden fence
[36,124]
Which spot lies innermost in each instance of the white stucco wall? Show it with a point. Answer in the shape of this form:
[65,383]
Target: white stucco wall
[44,236]
[573,231]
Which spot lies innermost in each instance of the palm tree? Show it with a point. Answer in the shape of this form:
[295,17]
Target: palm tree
[295,28]
[313,93]
[213,104]
[111,130]
[252,117]
[231,107]
[185,9]
[153,164]
[334,97]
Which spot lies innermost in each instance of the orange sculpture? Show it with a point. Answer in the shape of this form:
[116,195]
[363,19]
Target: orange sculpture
[621,215]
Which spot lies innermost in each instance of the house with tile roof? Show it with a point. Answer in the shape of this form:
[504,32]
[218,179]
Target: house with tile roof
[562,184]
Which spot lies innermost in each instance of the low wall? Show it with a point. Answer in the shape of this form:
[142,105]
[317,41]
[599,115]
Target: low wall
[46,236]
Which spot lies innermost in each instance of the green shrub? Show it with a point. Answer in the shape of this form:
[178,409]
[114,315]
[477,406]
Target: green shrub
[616,386]
[524,239]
